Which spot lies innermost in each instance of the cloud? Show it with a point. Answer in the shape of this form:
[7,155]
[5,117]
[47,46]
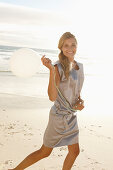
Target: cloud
[29,27]
[13,14]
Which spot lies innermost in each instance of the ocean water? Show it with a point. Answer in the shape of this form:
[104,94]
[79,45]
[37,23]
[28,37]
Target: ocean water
[7,51]
[10,84]
[33,86]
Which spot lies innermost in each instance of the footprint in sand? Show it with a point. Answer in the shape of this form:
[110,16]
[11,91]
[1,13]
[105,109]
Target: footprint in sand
[10,127]
[63,148]
[97,162]
[98,126]
[8,161]
[109,137]
[31,134]
[90,130]
[1,144]
[82,150]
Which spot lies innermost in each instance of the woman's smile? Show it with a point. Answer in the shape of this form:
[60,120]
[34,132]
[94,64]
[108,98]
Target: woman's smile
[69,48]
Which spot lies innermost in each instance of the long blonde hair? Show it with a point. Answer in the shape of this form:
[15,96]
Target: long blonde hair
[62,58]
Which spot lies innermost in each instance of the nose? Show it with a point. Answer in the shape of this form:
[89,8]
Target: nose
[69,48]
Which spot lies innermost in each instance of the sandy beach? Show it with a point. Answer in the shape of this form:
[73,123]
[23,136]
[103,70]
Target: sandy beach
[23,122]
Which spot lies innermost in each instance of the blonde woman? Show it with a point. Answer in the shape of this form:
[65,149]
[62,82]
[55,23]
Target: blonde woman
[65,84]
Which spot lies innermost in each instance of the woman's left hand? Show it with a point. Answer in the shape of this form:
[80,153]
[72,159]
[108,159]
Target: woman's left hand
[79,105]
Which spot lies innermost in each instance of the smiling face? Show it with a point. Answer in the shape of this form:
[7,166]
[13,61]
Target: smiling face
[69,48]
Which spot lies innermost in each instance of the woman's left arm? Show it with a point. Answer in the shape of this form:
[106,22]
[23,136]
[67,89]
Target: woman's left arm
[80,103]
[81,78]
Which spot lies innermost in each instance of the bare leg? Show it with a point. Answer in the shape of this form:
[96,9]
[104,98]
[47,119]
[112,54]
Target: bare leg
[34,157]
[71,156]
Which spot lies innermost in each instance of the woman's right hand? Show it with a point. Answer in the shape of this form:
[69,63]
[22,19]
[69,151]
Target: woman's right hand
[46,62]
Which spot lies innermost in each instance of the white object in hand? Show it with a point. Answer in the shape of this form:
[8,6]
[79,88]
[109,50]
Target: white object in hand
[24,62]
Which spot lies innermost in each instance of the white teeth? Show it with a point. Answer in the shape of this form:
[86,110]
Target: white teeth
[70,52]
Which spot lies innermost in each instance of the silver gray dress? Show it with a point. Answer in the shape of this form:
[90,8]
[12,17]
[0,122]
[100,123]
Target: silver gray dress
[62,128]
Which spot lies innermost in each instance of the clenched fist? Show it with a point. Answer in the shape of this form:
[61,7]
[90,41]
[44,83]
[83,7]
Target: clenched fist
[46,62]
[79,105]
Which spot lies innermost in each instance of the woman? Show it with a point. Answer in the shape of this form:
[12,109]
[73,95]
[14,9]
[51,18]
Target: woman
[65,84]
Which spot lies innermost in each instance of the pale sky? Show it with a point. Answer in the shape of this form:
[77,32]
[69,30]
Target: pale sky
[40,23]
[50,5]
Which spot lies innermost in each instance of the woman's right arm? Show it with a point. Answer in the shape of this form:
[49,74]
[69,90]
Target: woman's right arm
[52,91]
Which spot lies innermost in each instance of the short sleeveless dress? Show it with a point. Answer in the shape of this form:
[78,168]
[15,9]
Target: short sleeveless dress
[62,128]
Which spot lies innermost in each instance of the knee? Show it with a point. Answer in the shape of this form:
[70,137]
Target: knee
[74,153]
[44,152]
